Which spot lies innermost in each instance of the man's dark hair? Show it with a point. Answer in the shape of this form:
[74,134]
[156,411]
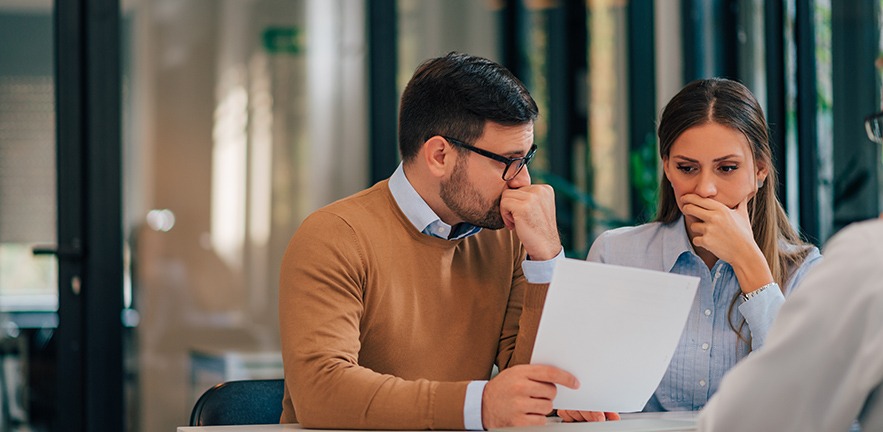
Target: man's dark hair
[455,96]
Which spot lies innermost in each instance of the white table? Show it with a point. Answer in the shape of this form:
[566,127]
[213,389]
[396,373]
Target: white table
[683,415]
[254,428]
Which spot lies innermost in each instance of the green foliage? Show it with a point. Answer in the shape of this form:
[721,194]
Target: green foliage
[644,177]
[644,169]
[570,191]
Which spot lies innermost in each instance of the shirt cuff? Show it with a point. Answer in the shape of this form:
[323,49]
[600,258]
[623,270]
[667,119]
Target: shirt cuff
[760,312]
[472,406]
[540,272]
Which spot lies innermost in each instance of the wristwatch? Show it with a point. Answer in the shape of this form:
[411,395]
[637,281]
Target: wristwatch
[748,296]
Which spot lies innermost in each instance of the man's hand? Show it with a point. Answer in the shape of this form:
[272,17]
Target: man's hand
[530,211]
[522,395]
[587,416]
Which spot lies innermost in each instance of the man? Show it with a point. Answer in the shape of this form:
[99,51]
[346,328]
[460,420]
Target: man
[822,365]
[396,302]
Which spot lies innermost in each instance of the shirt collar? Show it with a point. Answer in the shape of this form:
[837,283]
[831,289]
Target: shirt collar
[418,211]
[676,243]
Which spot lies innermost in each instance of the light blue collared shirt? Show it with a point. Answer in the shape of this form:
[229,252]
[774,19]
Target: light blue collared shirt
[427,222]
[708,347]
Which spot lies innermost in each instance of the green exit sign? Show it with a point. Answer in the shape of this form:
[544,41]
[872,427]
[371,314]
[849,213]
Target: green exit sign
[283,40]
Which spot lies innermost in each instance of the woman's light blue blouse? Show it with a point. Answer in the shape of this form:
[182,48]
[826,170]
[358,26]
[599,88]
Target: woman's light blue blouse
[708,346]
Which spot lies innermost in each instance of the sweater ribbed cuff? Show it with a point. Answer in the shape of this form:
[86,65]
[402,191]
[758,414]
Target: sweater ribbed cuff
[447,406]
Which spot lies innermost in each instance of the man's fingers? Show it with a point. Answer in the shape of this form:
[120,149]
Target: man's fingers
[522,395]
[612,415]
[529,420]
[571,416]
[551,374]
[540,407]
[527,191]
[537,390]
[508,219]
[586,416]
[597,416]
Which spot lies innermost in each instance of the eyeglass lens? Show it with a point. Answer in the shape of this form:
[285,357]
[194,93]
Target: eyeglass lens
[513,169]
[874,127]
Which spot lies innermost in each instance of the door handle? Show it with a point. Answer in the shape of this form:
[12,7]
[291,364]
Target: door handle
[73,251]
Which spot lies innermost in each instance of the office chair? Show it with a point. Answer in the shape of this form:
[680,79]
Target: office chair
[243,402]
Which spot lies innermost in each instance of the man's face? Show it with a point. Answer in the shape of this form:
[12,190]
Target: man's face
[474,189]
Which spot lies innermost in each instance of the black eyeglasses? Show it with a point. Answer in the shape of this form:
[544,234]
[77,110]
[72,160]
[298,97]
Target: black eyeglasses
[513,165]
[874,127]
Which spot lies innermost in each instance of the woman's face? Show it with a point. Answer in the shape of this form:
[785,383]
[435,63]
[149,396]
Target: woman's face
[713,161]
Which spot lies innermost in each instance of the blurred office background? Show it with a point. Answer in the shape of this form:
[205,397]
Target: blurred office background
[157,155]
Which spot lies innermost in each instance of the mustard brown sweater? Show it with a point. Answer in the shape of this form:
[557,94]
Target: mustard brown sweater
[383,327]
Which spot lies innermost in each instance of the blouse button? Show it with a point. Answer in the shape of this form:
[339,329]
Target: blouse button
[701,383]
[707,312]
[705,346]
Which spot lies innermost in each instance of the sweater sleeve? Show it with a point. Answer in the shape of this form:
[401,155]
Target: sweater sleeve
[320,310]
[529,323]
[522,317]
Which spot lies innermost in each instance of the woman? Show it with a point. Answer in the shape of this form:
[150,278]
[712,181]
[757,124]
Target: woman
[718,219]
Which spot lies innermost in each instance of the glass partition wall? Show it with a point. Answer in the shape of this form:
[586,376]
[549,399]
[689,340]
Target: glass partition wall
[28,282]
[240,117]
[237,114]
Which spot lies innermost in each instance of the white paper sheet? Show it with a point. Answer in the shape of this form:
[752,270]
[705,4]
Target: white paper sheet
[615,328]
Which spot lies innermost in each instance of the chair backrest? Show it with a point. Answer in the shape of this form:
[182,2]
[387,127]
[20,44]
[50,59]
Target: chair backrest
[243,402]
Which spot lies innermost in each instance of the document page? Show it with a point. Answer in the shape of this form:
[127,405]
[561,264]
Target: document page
[615,328]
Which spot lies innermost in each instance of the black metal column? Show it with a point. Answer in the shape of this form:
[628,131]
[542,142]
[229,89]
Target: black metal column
[774,28]
[727,55]
[382,92]
[90,333]
[566,76]
[807,132]
[693,41]
[642,88]
[511,19]
[70,155]
[855,39]
[103,282]
[567,121]
[710,38]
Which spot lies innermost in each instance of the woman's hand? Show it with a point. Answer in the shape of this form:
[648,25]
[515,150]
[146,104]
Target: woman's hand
[726,233]
[587,416]
[723,231]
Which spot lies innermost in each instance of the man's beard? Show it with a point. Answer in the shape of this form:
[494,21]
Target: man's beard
[467,203]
